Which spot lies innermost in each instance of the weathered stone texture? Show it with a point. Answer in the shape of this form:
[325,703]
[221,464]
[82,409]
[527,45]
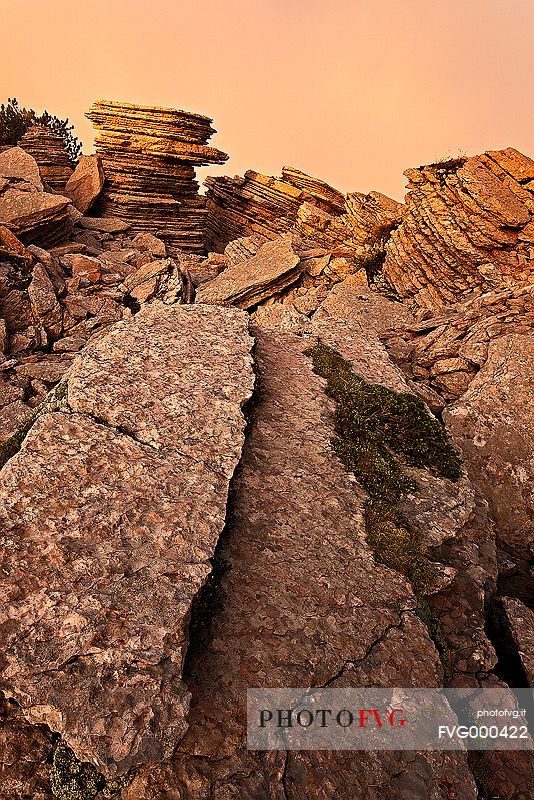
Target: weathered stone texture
[469,225]
[297,513]
[116,528]
[493,426]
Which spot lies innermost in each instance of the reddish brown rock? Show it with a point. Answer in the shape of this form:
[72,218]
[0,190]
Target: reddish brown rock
[149,155]
[18,166]
[145,283]
[246,283]
[50,154]
[468,226]
[85,183]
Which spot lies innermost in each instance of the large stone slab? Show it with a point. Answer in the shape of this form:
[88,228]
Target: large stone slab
[106,539]
[172,377]
[246,283]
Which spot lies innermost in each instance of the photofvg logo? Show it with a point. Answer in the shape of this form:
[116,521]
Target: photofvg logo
[389,719]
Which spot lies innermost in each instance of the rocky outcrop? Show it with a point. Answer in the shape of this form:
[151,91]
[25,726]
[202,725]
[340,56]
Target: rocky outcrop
[33,215]
[85,183]
[116,511]
[265,623]
[493,424]
[355,227]
[469,225]
[49,152]
[149,155]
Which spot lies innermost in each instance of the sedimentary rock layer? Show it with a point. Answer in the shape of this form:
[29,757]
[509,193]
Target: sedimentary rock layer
[114,505]
[470,224]
[258,204]
[48,150]
[149,155]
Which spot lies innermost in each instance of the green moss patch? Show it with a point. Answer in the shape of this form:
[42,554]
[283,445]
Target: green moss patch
[376,433]
[72,779]
[11,446]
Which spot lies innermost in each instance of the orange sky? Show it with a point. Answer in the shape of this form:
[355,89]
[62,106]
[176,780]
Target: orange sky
[353,91]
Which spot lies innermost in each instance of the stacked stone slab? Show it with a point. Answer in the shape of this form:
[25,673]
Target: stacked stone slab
[262,205]
[254,204]
[48,150]
[469,225]
[149,156]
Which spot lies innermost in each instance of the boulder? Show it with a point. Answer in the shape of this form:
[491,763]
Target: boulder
[296,513]
[85,183]
[246,283]
[16,164]
[33,215]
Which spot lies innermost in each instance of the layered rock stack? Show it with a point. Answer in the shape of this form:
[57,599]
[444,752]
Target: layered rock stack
[470,225]
[255,203]
[262,205]
[48,150]
[149,156]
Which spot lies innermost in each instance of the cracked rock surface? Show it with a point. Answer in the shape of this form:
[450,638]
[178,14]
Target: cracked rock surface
[106,539]
[298,600]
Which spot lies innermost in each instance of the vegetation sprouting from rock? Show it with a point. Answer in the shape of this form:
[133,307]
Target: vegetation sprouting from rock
[72,779]
[376,432]
[15,121]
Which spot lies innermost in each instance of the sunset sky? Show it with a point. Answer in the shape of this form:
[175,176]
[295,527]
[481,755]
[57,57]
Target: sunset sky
[352,91]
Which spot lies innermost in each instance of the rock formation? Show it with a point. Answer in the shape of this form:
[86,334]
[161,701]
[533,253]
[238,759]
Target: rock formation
[49,152]
[97,650]
[149,155]
[148,579]
[469,225]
